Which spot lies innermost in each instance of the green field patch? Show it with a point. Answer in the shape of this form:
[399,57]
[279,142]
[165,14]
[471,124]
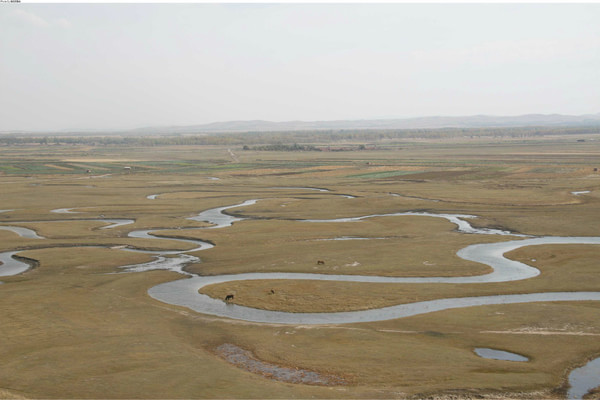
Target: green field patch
[91,166]
[37,168]
[385,174]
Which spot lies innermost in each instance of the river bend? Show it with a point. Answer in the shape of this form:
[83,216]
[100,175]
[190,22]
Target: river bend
[184,292]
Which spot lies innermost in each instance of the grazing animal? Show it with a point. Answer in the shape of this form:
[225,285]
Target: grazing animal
[320,262]
[229,297]
[272,291]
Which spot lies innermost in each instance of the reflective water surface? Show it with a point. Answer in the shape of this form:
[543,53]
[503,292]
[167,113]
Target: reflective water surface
[23,232]
[584,379]
[11,266]
[184,292]
[499,355]
[64,211]
[218,218]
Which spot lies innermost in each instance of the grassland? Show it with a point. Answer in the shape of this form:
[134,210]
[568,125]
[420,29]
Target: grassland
[72,328]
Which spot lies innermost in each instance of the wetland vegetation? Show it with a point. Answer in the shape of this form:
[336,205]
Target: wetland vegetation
[76,326]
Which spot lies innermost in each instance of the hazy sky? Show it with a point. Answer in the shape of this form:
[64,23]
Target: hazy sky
[65,66]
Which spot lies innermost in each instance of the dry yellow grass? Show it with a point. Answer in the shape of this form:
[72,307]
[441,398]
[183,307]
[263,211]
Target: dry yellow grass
[6,394]
[73,329]
[563,268]
[399,248]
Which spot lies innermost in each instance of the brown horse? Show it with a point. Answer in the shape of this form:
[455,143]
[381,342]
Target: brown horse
[229,297]
[320,262]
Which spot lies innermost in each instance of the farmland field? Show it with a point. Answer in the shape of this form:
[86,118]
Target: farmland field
[78,325]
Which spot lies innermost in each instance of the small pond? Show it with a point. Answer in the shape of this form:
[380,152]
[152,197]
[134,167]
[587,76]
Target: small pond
[499,355]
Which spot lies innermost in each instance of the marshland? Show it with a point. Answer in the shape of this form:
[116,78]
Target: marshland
[81,320]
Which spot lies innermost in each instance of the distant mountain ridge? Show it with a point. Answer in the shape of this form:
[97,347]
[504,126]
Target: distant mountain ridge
[435,122]
[432,122]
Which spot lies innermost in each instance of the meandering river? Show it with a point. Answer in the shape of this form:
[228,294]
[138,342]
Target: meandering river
[184,292]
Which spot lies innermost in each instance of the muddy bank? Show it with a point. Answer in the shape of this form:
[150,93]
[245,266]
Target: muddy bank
[246,360]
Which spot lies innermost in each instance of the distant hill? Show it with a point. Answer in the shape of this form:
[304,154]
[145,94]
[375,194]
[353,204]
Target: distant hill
[475,121]
[435,122]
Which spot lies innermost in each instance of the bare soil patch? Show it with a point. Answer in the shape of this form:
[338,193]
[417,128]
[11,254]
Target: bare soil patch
[246,360]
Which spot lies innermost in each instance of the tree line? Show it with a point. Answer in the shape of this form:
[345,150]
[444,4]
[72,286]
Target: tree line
[291,138]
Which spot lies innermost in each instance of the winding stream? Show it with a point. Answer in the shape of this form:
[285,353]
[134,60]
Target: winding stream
[23,232]
[10,265]
[457,219]
[184,292]
[216,216]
